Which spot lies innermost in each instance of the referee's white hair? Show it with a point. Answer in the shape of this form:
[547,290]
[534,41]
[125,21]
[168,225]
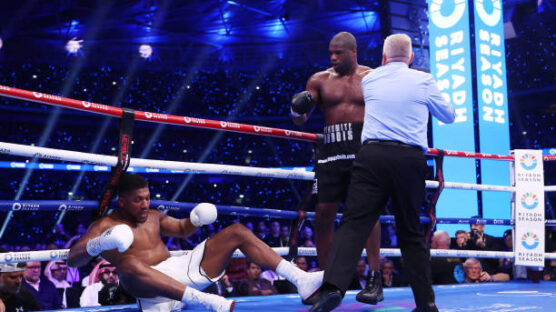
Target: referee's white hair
[397,46]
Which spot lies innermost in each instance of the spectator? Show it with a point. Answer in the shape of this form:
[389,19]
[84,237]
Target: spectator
[253,285]
[444,270]
[301,262]
[390,277]
[13,297]
[461,239]
[56,271]
[86,280]
[474,273]
[73,275]
[224,287]
[273,237]
[261,230]
[360,279]
[114,293]
[103,273]
[43,289]
[479,240]
[389,237]
[306,237]
[284,235]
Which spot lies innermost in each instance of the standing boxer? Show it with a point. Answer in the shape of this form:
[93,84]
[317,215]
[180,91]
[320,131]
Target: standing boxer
[389,166]
[338,93]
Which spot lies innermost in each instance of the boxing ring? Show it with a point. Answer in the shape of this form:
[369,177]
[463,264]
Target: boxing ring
[493,297]
[507,296]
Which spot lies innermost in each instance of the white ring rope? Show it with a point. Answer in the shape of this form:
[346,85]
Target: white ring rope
[62,254]
[550,188]
[96,159]
[470,186]
[187,167]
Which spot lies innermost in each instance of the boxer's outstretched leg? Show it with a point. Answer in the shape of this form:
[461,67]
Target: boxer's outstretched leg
[220,247]
[142,281]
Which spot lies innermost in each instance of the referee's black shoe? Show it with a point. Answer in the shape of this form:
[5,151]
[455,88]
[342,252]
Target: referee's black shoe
[372,294]
[329,297]
[429,307]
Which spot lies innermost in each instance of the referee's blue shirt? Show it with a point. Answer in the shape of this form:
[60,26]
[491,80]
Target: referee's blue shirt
[397,104]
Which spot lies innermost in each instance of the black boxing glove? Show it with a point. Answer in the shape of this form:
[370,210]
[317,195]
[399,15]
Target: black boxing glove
[301,103]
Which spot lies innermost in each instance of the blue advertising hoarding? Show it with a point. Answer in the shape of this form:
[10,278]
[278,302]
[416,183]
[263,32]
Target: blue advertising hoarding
[450,59]
[492,105]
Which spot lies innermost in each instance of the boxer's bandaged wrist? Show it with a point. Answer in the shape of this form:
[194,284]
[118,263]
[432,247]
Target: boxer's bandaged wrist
[93,247]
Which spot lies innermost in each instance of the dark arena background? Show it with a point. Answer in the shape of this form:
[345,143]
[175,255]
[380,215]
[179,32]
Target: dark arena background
[237,63]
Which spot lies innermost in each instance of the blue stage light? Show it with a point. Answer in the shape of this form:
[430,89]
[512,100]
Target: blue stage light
[145,51]
[73,45]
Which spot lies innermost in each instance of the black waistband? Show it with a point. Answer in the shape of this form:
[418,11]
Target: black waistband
[391,142]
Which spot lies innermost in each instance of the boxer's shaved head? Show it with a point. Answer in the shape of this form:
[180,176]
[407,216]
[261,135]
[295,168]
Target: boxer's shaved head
[347,40]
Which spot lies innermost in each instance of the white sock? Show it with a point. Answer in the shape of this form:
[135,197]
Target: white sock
[291,272]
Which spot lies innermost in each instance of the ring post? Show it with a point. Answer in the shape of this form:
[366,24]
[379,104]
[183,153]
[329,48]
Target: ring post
[124,156]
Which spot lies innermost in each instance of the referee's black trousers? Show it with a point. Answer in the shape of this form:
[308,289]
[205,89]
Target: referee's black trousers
[382,171]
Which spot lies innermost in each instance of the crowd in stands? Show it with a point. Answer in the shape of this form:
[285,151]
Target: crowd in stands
[250,97]
[55,285]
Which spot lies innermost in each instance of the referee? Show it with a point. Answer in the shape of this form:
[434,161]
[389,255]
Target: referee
[389,165]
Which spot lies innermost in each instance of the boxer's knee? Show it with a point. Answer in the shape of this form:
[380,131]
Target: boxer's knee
[238,232]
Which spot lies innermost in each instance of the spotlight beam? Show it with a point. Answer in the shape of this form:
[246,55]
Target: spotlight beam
[174,105]
[268,64]
[226,25]
[250,8]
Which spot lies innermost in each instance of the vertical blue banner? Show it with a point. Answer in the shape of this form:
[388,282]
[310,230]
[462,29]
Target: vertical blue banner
[492,104]
[450,59]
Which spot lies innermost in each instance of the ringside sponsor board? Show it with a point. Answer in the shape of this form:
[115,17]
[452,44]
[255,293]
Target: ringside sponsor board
[529,208]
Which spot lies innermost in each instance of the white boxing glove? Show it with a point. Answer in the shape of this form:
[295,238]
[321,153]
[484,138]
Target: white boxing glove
[117,237]
[203,214]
